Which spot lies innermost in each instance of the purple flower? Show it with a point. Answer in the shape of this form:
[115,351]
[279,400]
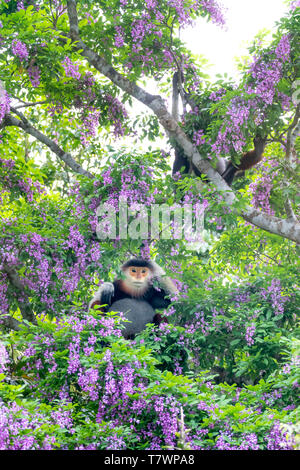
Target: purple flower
[19,49]
[3,358]
[295,4]
[4,102]
[71,69]
[34,75]
[88,381]
[20,5]
[261,190]
[283,49]
[198,137]
[214,10]
[119,37]
[277,439]
[250,333]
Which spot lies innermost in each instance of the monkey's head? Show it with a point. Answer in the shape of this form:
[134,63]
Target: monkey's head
[138,274]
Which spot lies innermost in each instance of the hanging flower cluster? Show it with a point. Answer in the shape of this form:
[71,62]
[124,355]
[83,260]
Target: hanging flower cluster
[4,103]
[19,49]
[261,92]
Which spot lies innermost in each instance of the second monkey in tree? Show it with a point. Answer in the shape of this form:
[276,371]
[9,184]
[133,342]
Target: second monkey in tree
[224,167]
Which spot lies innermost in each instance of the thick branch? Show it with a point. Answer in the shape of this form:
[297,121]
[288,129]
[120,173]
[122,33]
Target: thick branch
[73,19]
[156,104]
[23,301]
[27,127]
[175,98]
[286,228]
[293,133]
[10,322]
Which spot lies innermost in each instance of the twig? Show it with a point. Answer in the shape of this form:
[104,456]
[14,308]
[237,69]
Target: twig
[25,105]
[24,124]
[292,133]
[262,254]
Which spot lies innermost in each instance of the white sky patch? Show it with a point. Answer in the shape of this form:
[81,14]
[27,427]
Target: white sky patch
[244,19]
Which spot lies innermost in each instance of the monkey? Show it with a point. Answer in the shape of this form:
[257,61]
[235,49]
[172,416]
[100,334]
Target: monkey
[248,160]
[135,295]
[225,168]
[181,163]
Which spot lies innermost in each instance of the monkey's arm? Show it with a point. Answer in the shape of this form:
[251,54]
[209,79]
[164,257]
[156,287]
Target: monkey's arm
[167,285]
[103,295]
[166,288]
[248,160]
[181,163]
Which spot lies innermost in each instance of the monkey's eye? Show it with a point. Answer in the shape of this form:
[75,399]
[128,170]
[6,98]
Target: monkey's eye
[133,271]
[144,271]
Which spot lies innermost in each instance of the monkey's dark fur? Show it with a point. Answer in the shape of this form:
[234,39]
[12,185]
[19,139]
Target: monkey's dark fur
[137,312]
[224,167]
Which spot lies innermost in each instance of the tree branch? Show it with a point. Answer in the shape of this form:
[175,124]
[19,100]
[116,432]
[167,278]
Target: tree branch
[293,132]
[23,301]
[156,104]
[285,228]
[26,105]
[27,127]
[10,322]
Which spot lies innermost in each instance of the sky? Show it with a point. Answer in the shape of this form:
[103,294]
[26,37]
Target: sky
[245,18]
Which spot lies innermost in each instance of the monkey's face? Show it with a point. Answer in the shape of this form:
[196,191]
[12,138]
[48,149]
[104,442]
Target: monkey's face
[137,279]
[139,276]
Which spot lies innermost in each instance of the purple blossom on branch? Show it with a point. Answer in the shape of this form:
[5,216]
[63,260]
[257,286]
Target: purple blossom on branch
[295,4]
[198,137]
[277,439]
[261,191]
[283,49]
[71,68]
[34,74]
[250,331]
[19,49]
[4,102]
[215,10]
[3,358]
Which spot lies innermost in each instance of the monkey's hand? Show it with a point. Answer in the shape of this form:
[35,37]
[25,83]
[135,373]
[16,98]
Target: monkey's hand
[107,291]
[103,296]
[166,284]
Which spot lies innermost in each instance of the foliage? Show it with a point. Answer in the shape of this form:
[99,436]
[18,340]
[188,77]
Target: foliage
[104,393]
